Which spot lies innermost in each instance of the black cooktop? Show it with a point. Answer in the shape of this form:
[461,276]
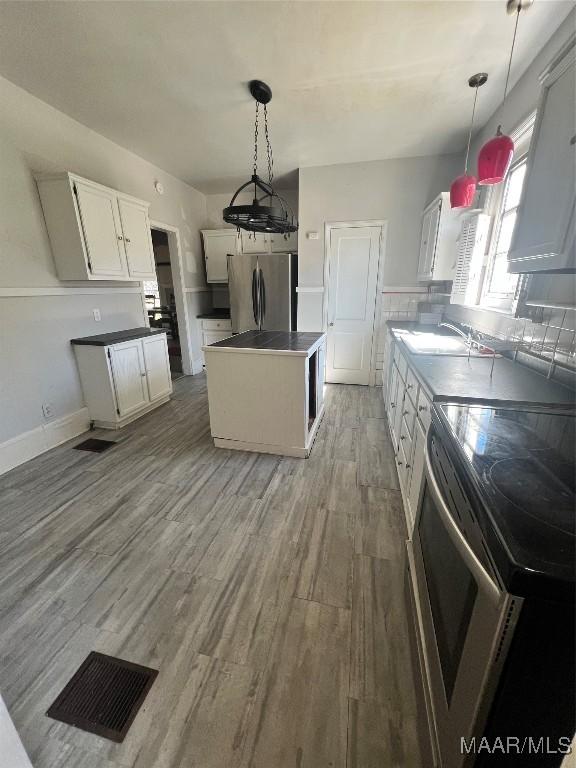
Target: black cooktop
[521,464]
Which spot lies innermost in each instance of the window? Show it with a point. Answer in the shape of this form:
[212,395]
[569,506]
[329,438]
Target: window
[151,294]
[499,290]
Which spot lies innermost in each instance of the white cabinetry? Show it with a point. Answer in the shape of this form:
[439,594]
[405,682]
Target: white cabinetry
[96,233]
[408,409]
[438,244]
[214,330]
[125,380]
[544,235]
[264,242]
[218,243]
[137,238]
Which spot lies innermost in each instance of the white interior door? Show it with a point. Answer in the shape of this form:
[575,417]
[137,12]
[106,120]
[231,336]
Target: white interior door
[157,365]
[102,231]
[353,276]
[137,240]
[129,372]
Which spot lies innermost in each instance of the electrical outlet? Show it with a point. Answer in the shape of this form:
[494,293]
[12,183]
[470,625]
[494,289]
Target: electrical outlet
[97,316]
[48,410]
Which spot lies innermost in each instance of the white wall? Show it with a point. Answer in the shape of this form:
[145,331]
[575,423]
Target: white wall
[38,313]
[394,190]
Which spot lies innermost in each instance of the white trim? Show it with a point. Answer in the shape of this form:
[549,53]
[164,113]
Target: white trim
[8,293]
[310,289]
[176,261]
[383,224]
[29,444]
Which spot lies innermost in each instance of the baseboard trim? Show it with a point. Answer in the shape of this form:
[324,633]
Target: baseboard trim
[30,444]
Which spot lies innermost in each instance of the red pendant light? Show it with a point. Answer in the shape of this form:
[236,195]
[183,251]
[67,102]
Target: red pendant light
[463,187]
[496,155]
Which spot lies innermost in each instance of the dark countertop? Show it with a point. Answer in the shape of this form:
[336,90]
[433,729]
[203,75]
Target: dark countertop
[520,464]
[270,341]
[105,339]
[215,314]
[467,380]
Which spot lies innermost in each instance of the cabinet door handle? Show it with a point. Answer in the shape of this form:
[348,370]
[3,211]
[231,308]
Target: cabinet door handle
[408,466]
[400,463]
[143,375]
[402,437]
[120,237]
[392,405]
[405,413]
[127,239]
[410,386]
[573,140]
[422,408]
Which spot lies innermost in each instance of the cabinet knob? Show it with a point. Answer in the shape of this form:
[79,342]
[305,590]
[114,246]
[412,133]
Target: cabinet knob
[402,437]
[422,408]
[408,466]
[330,324]
[405,413]
[392,405]
[143,375]
[400,463]
[410,386]
[120,237]
[127,239]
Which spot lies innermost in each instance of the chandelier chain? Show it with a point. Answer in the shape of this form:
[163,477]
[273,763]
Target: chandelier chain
[268,147]
[256,141]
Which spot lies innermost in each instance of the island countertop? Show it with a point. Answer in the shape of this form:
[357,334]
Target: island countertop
[275,342]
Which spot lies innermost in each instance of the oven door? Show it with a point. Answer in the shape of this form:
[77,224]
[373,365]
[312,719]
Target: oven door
[463,620]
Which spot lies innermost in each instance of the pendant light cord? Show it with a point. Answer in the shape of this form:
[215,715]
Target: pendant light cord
[256,141]
[470,131]
[511,52]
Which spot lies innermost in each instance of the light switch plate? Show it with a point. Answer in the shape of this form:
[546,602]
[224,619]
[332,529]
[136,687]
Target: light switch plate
[97,316]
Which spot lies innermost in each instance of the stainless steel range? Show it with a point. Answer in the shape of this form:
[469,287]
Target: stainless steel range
[492,571]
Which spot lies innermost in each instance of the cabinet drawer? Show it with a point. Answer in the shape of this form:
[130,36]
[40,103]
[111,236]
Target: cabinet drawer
[400,361]
[424,409]
[217,325]
[405,439]
[408,414]
[211,337]
[402,466]
[412,386]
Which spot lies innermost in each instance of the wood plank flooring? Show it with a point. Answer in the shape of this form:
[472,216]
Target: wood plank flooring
[267,591]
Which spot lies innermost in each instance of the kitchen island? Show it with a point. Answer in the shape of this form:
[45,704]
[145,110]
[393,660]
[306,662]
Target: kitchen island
[266,391]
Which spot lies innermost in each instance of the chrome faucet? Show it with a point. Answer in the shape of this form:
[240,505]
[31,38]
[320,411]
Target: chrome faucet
[457,330]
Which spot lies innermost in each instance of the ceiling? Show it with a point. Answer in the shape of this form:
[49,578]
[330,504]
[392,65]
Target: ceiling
[352,81]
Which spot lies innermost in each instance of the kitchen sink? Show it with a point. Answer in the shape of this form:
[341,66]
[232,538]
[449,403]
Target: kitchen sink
[430,343]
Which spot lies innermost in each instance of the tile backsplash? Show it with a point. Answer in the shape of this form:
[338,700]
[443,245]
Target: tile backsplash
[547,341]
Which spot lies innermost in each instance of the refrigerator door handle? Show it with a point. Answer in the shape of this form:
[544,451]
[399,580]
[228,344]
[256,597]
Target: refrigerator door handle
[255,297]
[262,297]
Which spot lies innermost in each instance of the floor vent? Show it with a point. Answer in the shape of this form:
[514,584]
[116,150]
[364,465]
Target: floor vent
[95,445]
[104,696]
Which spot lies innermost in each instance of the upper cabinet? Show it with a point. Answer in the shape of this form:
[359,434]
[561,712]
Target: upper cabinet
[543,238]
[439,240]
[255,242]
[268,242]
[96,233]
[218,243]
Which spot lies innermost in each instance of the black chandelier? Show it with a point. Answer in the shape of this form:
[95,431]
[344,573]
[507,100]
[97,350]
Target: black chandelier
[268,212]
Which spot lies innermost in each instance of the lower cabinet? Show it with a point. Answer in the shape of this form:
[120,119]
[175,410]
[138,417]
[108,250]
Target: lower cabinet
[215,330]
[408,409]
[125,380]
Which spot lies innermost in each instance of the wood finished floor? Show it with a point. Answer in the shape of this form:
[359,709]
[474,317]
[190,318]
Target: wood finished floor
[267,591]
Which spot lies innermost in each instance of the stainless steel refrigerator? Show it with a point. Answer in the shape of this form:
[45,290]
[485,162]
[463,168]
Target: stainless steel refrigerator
[263,291]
